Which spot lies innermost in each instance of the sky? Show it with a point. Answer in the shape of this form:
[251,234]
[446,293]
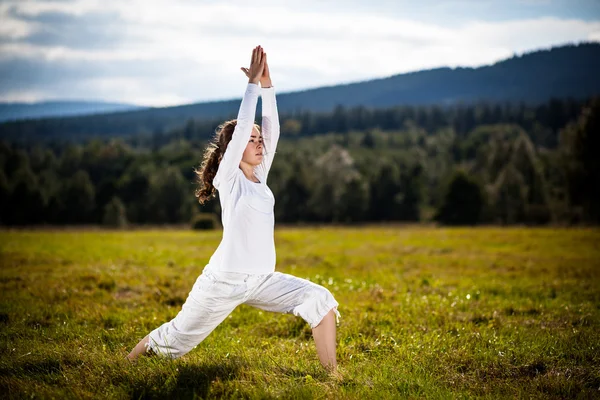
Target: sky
[171,52]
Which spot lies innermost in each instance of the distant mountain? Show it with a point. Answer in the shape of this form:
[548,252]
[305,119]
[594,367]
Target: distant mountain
[43,109]
[561,72]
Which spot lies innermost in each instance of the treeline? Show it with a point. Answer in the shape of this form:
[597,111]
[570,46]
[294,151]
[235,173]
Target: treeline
[541,121]
[493,164]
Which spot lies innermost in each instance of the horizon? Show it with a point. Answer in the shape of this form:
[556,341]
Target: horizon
[161,54]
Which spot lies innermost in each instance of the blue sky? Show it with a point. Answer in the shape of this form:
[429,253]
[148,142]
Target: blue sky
[168,52]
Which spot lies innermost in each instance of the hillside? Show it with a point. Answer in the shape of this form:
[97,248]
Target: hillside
[45,109]
[562,72]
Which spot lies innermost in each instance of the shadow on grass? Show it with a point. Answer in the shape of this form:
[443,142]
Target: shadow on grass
[310,375]
[190,381]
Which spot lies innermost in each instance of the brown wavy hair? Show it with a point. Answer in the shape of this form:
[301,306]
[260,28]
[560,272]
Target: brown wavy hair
[212,158]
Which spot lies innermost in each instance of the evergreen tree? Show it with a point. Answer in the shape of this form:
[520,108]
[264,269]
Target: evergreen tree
[509,196]
[170,197]
[4,198]
[463,202]
[580,142]
[368,140]
[70,160]
[384,188]
[525,159]
[411,195]
[114,214]
[79,199]
[27,202]
[293,198]
[133,188]
[354,202]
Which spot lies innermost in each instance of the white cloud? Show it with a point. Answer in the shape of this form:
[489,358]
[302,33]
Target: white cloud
[25,96]
[171,52]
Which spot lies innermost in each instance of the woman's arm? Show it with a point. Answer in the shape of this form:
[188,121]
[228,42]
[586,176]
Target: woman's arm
[245,121]
[270,126]
[270,119]
[241,134]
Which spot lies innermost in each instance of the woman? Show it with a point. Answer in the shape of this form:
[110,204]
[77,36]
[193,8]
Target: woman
[242,269]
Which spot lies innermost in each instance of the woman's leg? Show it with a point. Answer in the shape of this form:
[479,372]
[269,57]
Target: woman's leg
[208,303]
[324,335]
[314,303]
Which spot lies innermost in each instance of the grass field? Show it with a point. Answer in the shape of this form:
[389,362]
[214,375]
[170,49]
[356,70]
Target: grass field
[425,313]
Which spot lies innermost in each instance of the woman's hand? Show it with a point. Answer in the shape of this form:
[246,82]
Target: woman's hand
[264,77]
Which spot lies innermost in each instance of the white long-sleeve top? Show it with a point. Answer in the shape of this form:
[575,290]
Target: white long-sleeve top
[248,243]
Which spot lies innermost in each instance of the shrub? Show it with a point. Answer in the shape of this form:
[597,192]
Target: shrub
[205,221]
[463,202]
[114,214]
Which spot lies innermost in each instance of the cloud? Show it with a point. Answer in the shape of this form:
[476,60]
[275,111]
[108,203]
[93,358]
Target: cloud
[92,30]
[157,52]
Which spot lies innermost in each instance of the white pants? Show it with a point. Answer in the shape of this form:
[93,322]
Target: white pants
[216,294]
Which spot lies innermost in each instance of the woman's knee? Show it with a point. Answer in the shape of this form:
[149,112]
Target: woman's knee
[326,295]
[318,302]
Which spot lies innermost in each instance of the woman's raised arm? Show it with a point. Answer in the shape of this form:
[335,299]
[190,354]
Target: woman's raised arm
[245,121]
[270,119]
[270,126]
[239,139]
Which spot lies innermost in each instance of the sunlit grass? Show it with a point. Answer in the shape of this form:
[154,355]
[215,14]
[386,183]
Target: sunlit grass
[433,313]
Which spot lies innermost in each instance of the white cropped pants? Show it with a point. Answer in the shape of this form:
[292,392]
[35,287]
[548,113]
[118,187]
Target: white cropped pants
[216,294]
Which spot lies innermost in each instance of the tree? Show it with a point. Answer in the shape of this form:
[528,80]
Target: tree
[384,188]
[463,202]
[27,202]
[114,213]
[339,119]
[579,146]
[354,201]
[133,188]
[15,160]
[79,198]
[291,127]
[368,140]
[70,160]
[509,196]
[170,197]
[333,171]
[4,198]
[526,161]
[411,195]
[293,198]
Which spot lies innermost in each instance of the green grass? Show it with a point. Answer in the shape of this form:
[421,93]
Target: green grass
[426,313]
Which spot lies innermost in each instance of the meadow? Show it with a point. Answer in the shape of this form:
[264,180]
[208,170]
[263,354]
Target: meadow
[426,312]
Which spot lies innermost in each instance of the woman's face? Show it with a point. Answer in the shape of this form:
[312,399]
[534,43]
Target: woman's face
[253,154]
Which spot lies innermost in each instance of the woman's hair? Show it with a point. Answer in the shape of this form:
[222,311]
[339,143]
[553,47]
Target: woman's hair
[212,158]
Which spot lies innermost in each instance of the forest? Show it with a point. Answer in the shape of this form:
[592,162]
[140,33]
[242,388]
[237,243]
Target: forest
[465,164]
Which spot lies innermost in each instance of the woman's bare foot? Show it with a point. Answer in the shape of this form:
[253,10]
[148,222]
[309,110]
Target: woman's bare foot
[337,374]
[140,349]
